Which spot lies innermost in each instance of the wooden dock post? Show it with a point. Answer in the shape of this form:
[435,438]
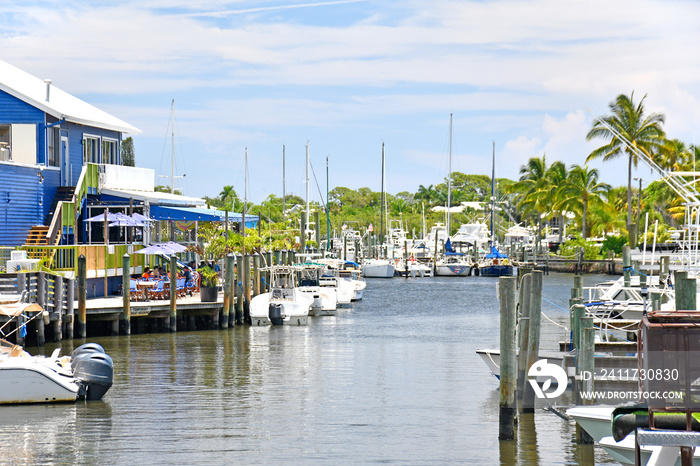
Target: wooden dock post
[82,296]
[125,316]
[302,236]
[317,225]
[626,265]
[524,333]
[70,308]
[246,288]
[239,289]
[533,344]
[58,307]
[405,257]
[41,301]
[685,291]
[506,417]
[229,277]
[173,293]
[578,312]
[655,301]
[256,274]
[664,264]
[586,358]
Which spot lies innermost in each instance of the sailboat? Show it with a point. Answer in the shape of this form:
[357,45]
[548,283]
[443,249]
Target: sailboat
[452,263]
[379,268]
[495,263]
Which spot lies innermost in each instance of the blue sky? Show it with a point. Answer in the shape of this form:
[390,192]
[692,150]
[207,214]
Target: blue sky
[349,75]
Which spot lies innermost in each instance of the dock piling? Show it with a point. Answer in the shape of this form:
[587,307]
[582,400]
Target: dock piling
[70,308]
[533,344]
[173,293]
[524,335]
[125,316]
[57,323]
[239,289]
[506,418]
[82,296]
[229,278]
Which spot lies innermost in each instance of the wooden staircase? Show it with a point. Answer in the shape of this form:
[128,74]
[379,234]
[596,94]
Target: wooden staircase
[63,193]
[37,236]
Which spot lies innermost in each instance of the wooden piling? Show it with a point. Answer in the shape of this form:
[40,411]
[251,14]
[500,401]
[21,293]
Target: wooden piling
[82,297]
[302,236]
[70,308]
[256,274]
[533,344]
[41,301]
[506,418]
[626,265]
[685,291]
[58,307]
[317,226]
[173,294]
[586,358]
[405,257]
[246,288]
[125,316]
[21,287]
[229,277]
[239,289]
[524,334]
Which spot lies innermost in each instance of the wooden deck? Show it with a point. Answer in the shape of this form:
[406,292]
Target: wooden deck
[111,308]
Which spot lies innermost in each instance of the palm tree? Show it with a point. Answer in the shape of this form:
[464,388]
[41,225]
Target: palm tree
[582,189]
[674,155]
[532,189]
[228,197]
[641,132]
[556,178]
[428,194]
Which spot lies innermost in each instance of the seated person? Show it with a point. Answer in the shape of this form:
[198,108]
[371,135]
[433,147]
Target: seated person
[187,274]
[156,273]
[147,274]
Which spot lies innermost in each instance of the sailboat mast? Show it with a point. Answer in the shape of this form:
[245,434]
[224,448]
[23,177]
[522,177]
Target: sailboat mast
[245,194]
[307,183]
[172,147]
[381,219]
[449,181]
[328,218]
[493,199]
[284,184]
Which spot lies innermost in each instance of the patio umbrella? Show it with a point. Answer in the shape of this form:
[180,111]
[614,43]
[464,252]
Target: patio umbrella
[123,220]
[111,217]
[141,218]
[162,248]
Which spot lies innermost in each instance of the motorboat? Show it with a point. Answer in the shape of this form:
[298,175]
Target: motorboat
[453,264]
[473,234]
[325,299]
[492,358]
[85,375]
[284,303]
[378,268]
[354,276]
[595,419]
[495,264]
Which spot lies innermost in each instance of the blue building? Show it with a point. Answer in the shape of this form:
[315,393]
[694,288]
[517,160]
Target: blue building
[47,138]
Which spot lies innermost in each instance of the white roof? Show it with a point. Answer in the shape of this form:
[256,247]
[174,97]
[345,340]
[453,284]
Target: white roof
[32,90]
[157,197]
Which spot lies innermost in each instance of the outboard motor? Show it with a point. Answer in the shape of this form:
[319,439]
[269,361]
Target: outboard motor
[274,312]
[318,303]
[94,369]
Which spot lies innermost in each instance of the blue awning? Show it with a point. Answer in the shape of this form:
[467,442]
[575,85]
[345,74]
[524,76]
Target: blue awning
[187,214]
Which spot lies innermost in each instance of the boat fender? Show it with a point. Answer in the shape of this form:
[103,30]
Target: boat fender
[505,261]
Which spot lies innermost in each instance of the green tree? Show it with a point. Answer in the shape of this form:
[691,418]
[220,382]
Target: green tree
[532,191]
[641,132]
[166,189]
[581,189]
[127,152]
[674,155]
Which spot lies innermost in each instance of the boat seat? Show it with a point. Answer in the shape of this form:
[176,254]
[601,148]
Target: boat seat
[16,351]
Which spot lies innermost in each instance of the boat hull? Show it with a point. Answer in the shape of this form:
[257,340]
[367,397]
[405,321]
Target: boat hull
[381,270]
[452,270]
[496,270]
[34,384]
[294,311]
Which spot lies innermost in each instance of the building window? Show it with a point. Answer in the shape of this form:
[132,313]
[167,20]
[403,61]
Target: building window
[53,155]
[109,151]
[91,149]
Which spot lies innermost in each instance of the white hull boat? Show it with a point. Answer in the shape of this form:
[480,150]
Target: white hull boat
[284,304]
[377,268]
[87,374]
[325,300]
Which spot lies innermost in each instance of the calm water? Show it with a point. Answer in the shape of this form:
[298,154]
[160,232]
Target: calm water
[394,379]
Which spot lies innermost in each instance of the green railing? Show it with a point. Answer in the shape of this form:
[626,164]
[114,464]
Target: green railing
[67,212]
[97,257]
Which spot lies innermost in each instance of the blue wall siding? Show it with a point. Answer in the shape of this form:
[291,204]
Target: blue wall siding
[13,110]
[29,200]
[75,144]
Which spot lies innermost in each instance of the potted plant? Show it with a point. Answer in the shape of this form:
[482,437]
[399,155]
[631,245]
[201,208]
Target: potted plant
[209,289]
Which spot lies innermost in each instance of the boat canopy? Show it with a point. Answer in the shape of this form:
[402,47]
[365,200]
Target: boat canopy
[495,254]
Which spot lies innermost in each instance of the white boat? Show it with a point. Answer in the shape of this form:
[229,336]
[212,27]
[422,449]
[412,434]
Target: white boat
[472,234]
[378,268]
[354,276]
[325,299]
[623,452]
[596,419]
[492,358]
[284,303]
[24,378]
[453,264]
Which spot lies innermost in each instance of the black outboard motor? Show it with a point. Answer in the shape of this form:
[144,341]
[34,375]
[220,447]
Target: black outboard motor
[94,369]
[274,312]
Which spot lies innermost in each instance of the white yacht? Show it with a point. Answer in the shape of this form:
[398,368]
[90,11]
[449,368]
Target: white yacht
[378,268]
[86,374]
[284,303]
